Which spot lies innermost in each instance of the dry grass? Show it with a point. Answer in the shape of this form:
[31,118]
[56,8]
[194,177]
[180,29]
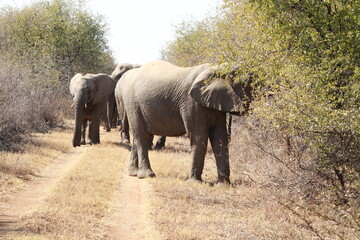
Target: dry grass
[18,167]
[77,207]
[257,206]
[192,210]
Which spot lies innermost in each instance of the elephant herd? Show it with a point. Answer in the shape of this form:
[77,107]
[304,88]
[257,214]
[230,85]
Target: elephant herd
[159,98]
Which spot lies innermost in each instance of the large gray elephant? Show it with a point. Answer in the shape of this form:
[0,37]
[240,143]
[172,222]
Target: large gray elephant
[91,94]
[119,70]
[162,99]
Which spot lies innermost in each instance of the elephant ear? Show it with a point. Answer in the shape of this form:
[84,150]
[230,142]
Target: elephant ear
[73,83]
[104,86]
[213,91]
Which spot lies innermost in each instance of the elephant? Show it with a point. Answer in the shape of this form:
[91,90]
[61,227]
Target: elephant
[162,99]
[119,70]
[90,93]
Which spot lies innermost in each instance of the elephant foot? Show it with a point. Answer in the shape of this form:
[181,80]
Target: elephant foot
[95,142]
[133,171]
[222,184]
[126,141]
[223,179]
[158,147]
[194,178]
[82,143]
[145,173]
[76,145]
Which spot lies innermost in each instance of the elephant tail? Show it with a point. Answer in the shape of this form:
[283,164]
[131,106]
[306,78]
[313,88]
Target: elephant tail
[229,123]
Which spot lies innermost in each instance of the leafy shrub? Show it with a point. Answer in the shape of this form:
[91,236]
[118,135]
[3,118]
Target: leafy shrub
[305,54]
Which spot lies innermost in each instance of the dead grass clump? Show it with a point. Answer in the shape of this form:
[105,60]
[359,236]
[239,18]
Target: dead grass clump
[176,157]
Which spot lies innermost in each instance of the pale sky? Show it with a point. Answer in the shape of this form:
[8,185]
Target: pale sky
[139,29]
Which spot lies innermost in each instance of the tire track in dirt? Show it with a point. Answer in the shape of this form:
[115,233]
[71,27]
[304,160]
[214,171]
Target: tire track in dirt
[131,219]
[30,197]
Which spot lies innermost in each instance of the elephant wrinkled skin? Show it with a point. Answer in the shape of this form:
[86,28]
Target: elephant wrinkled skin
[119,70]
[162,99]
[91,94]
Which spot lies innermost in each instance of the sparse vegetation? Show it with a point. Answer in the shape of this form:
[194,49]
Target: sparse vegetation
[16,168]
[78,207]
[258,205]
[294,159]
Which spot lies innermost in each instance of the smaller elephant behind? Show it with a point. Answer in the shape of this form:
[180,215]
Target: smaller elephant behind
[90,93]
[119,70]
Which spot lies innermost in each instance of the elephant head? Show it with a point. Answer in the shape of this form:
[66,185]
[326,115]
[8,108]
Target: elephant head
[227,92]
[122,68]
[89,92]
[119,70]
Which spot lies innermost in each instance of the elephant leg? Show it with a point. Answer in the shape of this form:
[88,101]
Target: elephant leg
[83,132]
[125,136]
[143,155]
[151,139]
[114,119]
[220,145]
[198,151]
[106,122]
[89,133]
[95,122]
[160,143]
[134,161]
[95,131]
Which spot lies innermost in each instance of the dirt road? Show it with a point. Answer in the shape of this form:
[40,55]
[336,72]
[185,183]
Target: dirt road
[129,217]
[32,194]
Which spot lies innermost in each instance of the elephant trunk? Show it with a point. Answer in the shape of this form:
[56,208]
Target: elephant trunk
[80,102]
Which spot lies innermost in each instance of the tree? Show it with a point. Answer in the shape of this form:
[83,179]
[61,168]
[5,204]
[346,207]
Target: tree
[42,46]
[56,35]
